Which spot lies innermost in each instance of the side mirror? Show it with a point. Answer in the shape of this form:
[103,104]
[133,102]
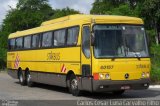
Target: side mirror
[92,39]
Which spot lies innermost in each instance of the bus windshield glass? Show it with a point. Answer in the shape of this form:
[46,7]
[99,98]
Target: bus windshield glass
[120,41]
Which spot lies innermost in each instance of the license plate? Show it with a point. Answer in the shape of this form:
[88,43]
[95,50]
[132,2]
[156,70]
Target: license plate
[125,87]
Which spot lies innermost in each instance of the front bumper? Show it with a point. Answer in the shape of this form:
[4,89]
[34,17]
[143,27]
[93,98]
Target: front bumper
[109,85]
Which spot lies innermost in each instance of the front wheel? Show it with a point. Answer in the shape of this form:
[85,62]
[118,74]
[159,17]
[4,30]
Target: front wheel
[74,86]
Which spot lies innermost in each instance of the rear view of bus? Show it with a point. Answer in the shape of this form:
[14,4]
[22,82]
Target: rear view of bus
[120,59]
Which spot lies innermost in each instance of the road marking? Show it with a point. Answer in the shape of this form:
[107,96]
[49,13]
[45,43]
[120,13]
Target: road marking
[154,86]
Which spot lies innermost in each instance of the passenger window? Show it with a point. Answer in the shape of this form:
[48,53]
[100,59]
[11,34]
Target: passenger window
[47,39]
[86,41]
[72,36]
[27,42]
[59,37]
[35,41]
[19,43]
[11,44]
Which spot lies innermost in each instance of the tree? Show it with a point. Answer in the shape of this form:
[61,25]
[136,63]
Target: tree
[28,14]
[101,7]
[151,13]
[63,12]
[114,7]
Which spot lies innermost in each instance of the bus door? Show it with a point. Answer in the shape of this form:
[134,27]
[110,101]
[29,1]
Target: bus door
[86,58]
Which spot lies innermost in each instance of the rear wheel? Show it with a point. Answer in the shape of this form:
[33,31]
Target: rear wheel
[28,77]
[118,92]
[21,78]
[73,88]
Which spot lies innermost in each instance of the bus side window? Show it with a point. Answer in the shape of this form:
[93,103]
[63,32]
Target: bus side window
[72,36]
[19,43]
[59,37]
[86,41]
[11,45]
[27,42]
[35,41]
[47,39]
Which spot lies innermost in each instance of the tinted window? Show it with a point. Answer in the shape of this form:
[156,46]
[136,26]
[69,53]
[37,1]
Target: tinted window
[27,42]
[47,39]
[19,43]
[59,37]
[72,36]
[11,44]
[35,41]
[86,41]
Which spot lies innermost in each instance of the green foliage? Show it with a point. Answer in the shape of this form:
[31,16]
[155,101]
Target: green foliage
[123,9]
[28,14]
[151,13]
[101,7]
[155,68]
[3,53]
[63,12]
[151,37]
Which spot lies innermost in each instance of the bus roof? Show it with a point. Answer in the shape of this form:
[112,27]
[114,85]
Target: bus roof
[77,19]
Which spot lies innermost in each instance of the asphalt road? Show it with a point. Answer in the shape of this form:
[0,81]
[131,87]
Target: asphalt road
[41,94]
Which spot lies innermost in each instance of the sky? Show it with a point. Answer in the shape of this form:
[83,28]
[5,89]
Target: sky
[83,6]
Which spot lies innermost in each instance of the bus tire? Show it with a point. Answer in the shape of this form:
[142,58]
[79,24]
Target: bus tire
[120,92]
[73,88]
[28,79]
[21,78]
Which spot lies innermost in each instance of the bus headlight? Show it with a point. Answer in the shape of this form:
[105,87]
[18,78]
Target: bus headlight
[101,76]
[107,76]
[147,74]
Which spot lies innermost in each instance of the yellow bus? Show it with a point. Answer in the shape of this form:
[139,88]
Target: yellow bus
[96,53]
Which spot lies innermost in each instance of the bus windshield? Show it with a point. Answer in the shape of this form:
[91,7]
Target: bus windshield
[120,41]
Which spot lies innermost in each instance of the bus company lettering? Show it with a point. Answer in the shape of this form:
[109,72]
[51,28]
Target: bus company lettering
[53,56]
[12,55]
[143,66]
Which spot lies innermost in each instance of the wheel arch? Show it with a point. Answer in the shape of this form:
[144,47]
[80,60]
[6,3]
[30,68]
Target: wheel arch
[69,73]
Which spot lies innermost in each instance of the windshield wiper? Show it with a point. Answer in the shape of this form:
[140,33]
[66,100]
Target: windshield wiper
[135,53]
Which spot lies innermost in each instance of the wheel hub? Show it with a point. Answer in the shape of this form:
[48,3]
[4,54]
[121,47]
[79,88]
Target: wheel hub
[74,84]
[28,78]
[21,78]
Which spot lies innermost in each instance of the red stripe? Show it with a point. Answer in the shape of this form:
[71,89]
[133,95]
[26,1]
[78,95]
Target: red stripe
[62,68]
[16,64]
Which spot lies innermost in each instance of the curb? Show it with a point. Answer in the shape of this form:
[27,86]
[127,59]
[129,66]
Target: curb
[154,86]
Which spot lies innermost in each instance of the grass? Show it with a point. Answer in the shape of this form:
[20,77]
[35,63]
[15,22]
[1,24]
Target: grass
[155,70]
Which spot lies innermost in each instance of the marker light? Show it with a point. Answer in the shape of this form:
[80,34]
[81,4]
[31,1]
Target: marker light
[147,74]
[96,76]
[107,76]
[101,76]
[143,74]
